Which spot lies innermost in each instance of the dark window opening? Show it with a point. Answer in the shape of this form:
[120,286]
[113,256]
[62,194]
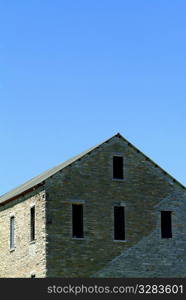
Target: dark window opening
[12,222]
[119,223]
[33,276]
[166,224]
[118,167]
[77,220]
[32,223]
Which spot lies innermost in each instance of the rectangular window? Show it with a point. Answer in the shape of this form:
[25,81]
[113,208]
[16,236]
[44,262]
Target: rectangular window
[119,223]
[33,276]
[32,223]
[12,229]
[117,167]
[77,220]
[166,224]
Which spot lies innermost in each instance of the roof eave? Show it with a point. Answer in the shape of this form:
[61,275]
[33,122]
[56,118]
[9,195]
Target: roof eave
[22,193]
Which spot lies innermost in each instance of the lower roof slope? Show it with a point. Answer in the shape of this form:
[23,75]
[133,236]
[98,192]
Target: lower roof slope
[43,176]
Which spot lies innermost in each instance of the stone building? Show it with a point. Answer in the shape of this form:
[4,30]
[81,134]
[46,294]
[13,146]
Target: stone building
[108,212]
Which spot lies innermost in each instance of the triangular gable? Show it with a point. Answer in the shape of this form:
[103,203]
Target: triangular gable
[39,180]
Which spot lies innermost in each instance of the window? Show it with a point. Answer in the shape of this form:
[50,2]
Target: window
[33,275]
[77,220]
[12,224]
[166,224]
[117,167]
[32,223]
[119,223]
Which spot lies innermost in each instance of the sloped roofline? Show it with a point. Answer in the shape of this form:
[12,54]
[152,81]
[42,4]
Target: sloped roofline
[40,179]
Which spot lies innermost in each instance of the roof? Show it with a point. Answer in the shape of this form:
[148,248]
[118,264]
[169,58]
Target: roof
[43,176]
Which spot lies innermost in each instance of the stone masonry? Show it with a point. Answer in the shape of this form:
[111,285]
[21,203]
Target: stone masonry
[27,257]
[153,256]
[87,179]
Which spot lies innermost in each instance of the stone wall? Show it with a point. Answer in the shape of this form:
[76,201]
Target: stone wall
[145,191]
[89,181]
[27,257]
[153,256]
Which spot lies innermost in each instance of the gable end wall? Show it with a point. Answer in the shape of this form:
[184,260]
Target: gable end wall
[89,181]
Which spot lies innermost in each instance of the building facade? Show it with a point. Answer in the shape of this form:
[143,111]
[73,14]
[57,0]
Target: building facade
[108,212]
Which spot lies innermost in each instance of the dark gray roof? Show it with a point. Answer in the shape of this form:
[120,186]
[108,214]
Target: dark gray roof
[43,176]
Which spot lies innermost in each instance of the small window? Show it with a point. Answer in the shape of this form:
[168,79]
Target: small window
[32,223]
[77,220]
[166,224]
[12,229]
[33,275]
[119,223]
[117,167]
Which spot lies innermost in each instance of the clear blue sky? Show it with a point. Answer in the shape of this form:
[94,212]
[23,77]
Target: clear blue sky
[73,73]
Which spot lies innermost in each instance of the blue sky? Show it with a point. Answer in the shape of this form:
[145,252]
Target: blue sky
[73,73]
